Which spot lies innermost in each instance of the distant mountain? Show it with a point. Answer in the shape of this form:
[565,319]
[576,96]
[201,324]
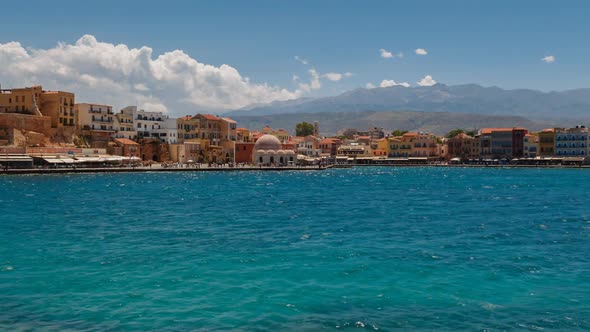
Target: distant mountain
[439,123]
[467,98]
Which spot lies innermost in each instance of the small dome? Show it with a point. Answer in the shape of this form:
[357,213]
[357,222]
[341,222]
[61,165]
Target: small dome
[267,142]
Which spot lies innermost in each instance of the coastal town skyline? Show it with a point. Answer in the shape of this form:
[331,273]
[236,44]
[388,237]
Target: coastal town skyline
[190,63]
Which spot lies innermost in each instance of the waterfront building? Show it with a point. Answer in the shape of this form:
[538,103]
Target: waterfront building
[58,105]
[572,142]
[502,142]
[228,129]
[399,146]
[150,124]
[309,146]
[353,150]
[423,144]
[268,151]
[530,145]
[210,128]
[547,142]
[462,146]
[243,135]
[124,126]
[95,117]
[124,147]
[380,147]
[188,128]
[330,145]
[96,123]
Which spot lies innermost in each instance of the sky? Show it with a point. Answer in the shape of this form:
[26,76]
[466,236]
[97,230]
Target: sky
[190,56]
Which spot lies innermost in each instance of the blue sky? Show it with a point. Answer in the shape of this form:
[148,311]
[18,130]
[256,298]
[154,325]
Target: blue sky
[486,42]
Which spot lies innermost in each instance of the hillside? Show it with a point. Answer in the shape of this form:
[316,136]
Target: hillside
[437,122]
[469,98]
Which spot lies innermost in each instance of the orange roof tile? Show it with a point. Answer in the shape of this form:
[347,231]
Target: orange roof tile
[126,141]
[210,117]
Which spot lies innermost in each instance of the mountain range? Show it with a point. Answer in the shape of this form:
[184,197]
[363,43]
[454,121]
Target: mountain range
[467,98]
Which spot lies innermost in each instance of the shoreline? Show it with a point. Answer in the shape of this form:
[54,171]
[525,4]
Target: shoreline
[27,171]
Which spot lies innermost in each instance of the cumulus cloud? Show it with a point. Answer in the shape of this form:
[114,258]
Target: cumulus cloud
[314,83]
[548,59]
[301,60]
[388,83]
[335,77]
[426,81]
[421,51]
[370,85]
[385,53]
[102,72]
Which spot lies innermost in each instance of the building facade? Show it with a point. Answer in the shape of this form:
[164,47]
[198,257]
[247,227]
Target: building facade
[572,142]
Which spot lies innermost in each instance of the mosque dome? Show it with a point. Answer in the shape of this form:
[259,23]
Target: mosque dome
[267,142]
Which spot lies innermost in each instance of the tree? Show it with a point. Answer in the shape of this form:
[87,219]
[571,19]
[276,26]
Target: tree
[304,129]
[454,133]
[398,132]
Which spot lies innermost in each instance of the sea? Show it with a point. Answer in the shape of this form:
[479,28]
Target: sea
[366,248]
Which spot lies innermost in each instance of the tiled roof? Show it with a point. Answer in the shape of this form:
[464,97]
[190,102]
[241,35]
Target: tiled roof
[229,120]
[487,131]
[125,141]
[210,117]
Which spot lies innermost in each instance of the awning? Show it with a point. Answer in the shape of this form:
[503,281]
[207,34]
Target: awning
[15,158]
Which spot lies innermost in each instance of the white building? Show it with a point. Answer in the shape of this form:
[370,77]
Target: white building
[152,124]
[95,117]
[309,146]
[572,142]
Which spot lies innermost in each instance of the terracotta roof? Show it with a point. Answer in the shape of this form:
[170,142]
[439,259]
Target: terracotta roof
[242,129]
[487,131]
[329,140]
[125,141]
[210,117]
[548,130]
[186,117]
[229,120]
[411,134]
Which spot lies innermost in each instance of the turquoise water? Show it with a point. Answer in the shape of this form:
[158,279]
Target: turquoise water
[373,248]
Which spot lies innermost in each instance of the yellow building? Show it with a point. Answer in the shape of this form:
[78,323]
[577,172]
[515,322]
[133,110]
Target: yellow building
[546,145]
[124,125]
[380,147]
[399,146]
[228,129]
[58,105]
[188,128]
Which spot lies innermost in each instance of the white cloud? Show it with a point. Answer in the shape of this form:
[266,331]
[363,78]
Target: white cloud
[388,83]
[301,60]
[102,72]
[548,59]
[426,81]
[385,53]
[314,82]
[421,51]
[335,77]
[295,78]
[370,85]
[315,79]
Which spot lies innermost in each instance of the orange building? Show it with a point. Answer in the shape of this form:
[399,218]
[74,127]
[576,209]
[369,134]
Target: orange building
[58,105]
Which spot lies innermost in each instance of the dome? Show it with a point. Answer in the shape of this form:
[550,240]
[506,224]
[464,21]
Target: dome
[267,142]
